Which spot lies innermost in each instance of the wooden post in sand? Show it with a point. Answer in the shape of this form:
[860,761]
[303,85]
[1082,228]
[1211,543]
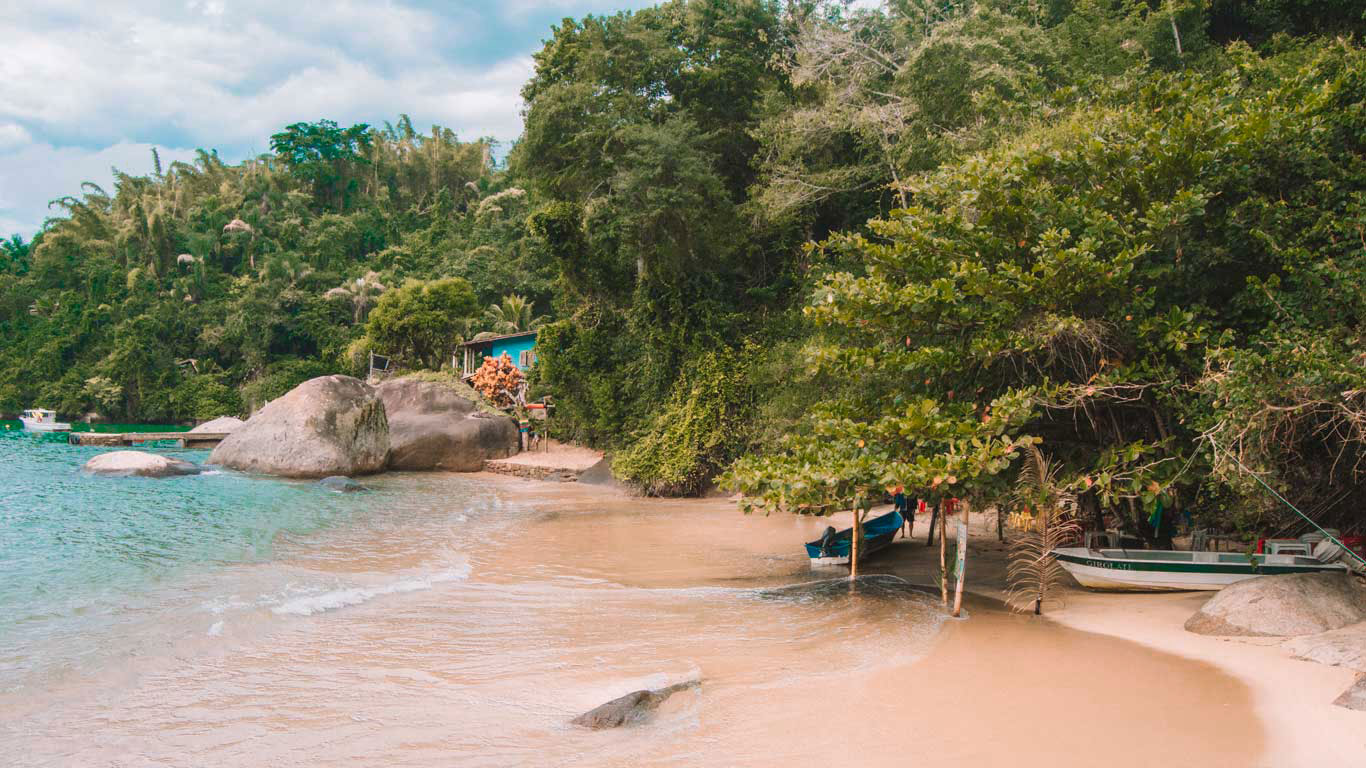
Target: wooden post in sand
[961,566]
[943,552]
[853,544]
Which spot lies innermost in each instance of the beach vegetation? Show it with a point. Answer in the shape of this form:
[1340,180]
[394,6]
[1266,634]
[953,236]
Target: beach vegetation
[811,249]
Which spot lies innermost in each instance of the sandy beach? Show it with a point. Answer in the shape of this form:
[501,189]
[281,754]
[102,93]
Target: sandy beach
[1292,721]
[469,618]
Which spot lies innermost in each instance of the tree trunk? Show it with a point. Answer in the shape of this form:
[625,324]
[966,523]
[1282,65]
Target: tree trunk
[854,536]
[943,557]
[961,564]
[1176,33]
[934,519]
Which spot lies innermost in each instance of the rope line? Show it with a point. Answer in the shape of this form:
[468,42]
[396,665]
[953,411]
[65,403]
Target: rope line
[1282,499]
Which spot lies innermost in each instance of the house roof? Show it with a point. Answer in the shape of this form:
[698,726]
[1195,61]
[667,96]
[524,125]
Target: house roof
[491,339]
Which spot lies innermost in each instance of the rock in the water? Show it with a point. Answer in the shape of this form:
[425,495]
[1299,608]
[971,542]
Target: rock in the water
[631,708]
[601,474]
[139,464]
[1345,647]
[225,424]
[434,426]
[1282,606]
[341,484]
[331,425]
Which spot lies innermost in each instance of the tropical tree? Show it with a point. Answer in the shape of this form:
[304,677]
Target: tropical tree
[419,323]
[514,315]
[361,294]
[1050,508]
[324,155]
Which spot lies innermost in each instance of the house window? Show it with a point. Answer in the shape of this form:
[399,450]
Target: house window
[526,359]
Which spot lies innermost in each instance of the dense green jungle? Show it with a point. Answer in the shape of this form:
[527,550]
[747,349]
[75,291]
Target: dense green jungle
[847,248]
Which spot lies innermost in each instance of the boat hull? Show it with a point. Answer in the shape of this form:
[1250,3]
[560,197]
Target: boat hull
[32,425]
[878,533]
[1095,571]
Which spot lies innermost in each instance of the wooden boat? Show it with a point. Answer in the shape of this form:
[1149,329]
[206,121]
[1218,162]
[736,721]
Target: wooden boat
[43,420]
[1156,570]
[833,547]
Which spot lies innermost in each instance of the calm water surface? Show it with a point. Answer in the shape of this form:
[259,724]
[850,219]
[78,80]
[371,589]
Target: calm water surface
[440,619]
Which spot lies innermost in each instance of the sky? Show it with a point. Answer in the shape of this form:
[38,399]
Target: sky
[88,86]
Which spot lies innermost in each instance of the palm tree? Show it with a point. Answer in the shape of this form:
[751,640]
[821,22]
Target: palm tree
[362,292]
[1033,571]
[514,315]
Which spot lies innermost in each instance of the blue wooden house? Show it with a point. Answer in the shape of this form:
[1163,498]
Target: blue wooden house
[521,347]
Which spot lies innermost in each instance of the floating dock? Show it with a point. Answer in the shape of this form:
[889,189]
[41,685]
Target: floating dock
[185,439]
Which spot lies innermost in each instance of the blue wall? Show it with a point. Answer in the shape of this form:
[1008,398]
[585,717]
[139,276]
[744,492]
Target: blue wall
[513,348]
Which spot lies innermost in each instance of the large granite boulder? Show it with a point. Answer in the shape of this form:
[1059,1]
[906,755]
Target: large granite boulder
[631,708]
[1282,606]
[1345,647]
[138,464]
[434,425]
[331,425]
[220,425]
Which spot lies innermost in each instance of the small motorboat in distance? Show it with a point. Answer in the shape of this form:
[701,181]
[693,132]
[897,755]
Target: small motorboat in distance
[1159,570]
[43,420]
[833,547]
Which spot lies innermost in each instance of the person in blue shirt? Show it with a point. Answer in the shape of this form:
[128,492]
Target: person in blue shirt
[899,505]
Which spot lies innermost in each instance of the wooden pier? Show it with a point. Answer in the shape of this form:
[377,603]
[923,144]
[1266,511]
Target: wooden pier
[185,439]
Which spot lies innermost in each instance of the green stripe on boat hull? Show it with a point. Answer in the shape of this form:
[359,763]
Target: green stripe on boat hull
[1135,574]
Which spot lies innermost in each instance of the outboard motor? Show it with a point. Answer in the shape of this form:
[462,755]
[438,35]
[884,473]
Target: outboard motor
[828,540]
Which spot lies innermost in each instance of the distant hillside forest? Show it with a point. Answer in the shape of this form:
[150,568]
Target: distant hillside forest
[854,247]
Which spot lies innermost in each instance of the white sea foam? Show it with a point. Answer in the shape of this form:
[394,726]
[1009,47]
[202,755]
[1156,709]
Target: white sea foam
[216,629]
[342,598]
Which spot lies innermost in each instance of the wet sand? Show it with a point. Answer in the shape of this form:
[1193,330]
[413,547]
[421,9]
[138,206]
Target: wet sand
[472,621]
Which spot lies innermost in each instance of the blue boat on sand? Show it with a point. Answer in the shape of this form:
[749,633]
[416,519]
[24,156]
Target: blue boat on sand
[833,547]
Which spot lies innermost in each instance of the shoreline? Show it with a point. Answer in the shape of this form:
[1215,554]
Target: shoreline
[570,595]
[1292,698]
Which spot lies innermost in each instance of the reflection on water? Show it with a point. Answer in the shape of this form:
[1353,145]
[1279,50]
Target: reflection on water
[464,620]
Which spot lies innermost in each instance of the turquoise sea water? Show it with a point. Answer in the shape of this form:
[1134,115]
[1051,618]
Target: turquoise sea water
[84,559]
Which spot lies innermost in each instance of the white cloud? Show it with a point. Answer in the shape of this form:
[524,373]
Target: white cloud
[35,174]
[80,91]
[13,135]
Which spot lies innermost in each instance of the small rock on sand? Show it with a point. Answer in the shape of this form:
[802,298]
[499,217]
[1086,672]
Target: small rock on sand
[138,464]
[1282,606]
[631,708]
[1354,697]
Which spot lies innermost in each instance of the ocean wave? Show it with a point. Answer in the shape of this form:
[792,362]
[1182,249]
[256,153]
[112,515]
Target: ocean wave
[342,598]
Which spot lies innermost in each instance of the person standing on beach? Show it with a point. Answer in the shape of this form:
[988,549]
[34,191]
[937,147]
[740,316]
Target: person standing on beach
[899,505]
[524,429]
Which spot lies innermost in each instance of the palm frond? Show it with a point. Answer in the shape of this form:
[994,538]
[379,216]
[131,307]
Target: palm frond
[1033,572]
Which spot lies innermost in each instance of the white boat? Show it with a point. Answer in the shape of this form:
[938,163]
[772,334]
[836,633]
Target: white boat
[43,420]
[1157,570]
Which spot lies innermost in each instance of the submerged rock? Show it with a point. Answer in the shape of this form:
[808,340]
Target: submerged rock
[139,464]
[331,425]
[634,707]
[1282,606]
[432,425]
[221,424]
[341,484]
